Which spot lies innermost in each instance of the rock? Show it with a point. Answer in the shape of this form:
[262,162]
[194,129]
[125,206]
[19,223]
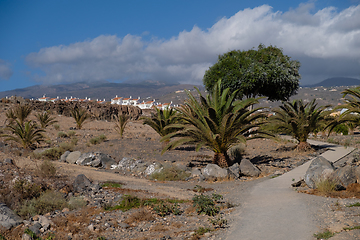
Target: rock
[318,169]
[64,156]
[85,159]
[91,227]
[73,157]
[347,235]
[35,228]
[153,168]
[234,171]
[248,169]
[26,237]
[105,160]
[8,161]
[123,225]
[357,173]
[45,222]
[345,175]
[8,218]
[81,183]
[195,172]
[214,171]
[125,163]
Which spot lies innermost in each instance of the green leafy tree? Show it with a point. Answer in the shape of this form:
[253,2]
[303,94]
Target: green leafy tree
[263,72]
[26,134]
[299,120]
[80,116]
[216,122]
[45,119]
[121,122]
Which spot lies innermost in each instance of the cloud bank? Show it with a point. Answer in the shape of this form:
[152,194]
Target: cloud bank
[5,70]
[327,43]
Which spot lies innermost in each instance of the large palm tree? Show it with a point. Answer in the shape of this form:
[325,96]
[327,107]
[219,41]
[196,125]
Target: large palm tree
[299,120]
[25,134]
[217,122]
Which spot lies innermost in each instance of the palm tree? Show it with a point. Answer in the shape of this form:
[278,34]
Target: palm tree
[80,116]
[299,120]
[45,119]
[121,122]
[25,134]
[161,119]
[217,122]
[22,112]
[10,116]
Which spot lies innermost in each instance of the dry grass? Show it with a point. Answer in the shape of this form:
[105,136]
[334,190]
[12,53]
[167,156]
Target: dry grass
[140,216]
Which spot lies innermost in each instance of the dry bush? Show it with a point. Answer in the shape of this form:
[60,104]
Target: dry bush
[326,184]
[171,173]
[47,169]
[140,216]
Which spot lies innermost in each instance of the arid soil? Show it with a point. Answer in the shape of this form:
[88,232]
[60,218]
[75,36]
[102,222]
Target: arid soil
[142,143]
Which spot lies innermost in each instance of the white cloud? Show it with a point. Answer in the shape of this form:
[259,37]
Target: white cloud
[5,70]
[326,38]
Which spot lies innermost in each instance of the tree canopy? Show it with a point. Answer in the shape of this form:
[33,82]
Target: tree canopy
[262,72]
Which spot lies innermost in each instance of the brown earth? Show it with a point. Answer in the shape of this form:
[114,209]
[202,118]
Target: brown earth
[142,142]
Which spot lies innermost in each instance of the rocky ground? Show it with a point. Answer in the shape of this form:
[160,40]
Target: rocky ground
[97,219]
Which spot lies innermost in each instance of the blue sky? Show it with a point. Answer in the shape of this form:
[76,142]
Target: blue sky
[54,42]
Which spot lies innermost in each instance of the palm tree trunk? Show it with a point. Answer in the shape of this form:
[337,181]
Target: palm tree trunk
[222,160]
[303,146]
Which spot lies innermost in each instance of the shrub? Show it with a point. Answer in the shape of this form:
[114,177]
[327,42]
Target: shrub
[325,235]
[205,204]
[326,185]
[98,140]
[111,185]
[56,126]
[74,141]
[71,133]
[62,134]
[47,202]
[164,209]
[218,222]
[76,202]
[52,153]
[47,169]
[237,152]
[128,202]
[170,174]
[201,230]
[26,189]
[65,146]
[341,128]
[139,216]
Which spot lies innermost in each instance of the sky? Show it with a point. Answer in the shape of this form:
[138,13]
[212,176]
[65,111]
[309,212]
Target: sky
[67,41]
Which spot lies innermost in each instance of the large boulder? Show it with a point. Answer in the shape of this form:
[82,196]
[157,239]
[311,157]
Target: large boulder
[64,156]
[85,159]
[8,218]
[345,175]
[248,169]
[104,159]
[214,171]
[81,183]
[319,168]
[73,157]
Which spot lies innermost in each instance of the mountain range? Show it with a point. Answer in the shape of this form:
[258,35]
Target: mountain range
[336,82]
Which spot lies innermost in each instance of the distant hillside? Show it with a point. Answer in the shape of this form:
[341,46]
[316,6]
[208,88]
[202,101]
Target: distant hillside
[337,82]
[100,90]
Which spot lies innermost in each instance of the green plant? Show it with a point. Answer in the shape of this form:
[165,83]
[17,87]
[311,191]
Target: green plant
[65,146]
[102,137]
[98,140]
[204,204]
[71,133]
[341,128]
[47,202]
[324,235]
[357,204]
[47,169]
[26,189]
[111,185]
[217,197]
[62,134]
[171,173]
[121,120]
[347,142]
[237,152]
[77,202]
[10,116]
[22,112]
[299,120]
[56,126]
[217,122]
[218,222]
[351,228]
[128,202]
[163,209]
[45,119]
[201,230]
[80,116]
[31,234]
[199,189]
[2,237]
[326,185]
[101,238]
[74,141]
[26,134]
[52,153]
[161,119]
